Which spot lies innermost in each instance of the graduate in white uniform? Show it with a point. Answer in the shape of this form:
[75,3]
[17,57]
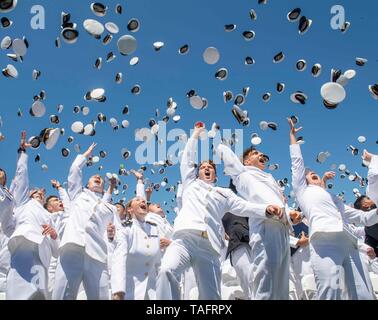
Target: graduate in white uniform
[34,240]
[155,212]
[59,208]
[121,218]
[137,256]
[269,238]
[198,231]
[83,249]
[333,246]
[7,226]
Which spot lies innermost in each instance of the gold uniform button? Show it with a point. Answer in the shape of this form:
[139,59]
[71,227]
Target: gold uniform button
[148,246]
[145,237]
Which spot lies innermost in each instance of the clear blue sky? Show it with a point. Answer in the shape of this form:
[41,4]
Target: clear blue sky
[68,73]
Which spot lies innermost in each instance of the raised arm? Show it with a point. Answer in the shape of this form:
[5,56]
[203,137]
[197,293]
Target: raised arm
[368,218]
[118,272]
[243,208]
[297,164]
[139,190]
[20,185]
[232,164]
[372,187]
[75,176]
[179,196]
[107,197]
[188,160]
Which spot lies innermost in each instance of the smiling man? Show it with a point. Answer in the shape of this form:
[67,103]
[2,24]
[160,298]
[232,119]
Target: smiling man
[137,255]
[83,248]
[34,240]
[268,238]
[198,231]
[333,245]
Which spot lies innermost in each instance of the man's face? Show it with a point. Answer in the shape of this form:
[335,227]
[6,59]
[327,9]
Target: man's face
[206,172]
[55,205]
[155,208]
[313,178]
[39,195]
[3,178]
[121,211]
[96,184]
[367,204]
[138,208]
[256,159]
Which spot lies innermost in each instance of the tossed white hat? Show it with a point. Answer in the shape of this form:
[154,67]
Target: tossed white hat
[211,55]
[304,25]
[158,45]
[294,15]
[196,102]
[133,25]
[255,139]
[51,138]
[134,61]
[97,94]
[221,74]
[111,27]
[93,27]
[69,35]
[38,109]
[316,70]
[7,5]
[127,44]
[10,71]
[99,9]
[184,49]
[77,127]
[333,93]
[6,42]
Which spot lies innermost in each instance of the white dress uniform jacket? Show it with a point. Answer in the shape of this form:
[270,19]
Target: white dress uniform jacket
[83,249]
[372,187]
[269,238]
[7,219]
[203,205]
[331,236]
[30,216]
[198,231]
[136,260]
[89,216]
[164,227]
[59,220]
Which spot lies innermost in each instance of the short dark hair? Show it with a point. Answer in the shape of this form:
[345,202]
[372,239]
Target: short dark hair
[210,162]
[48,200]
[121,204]
[358,203]
[247,152]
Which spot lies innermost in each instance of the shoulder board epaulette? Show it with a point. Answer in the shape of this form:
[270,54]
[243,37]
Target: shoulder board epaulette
[151,223]
[127,223]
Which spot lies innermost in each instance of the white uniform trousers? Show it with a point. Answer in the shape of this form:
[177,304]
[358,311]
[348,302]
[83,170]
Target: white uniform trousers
[271,260]
[27,278]
[242,263]
[189,249]
[190,283]
[337,266]
[76,266]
